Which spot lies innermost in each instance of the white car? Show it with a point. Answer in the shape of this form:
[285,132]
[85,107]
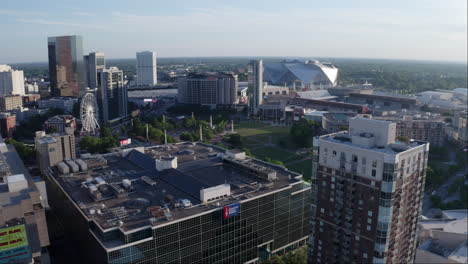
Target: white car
[434,192]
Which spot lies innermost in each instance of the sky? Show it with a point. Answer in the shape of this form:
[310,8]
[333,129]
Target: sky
[433,30]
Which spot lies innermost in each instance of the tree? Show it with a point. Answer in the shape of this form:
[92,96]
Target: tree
[277,162]
[23,151]
[106,132]
[186,136]
[303,132]
[52,129]
[403,139]
[436,201]
[235,140]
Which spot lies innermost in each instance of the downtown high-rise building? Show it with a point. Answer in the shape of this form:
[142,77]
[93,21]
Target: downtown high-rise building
[66,67]
[367,190]
[11,81]
[256,81]
[112,94]
[146,68]
[208,88]
[94,63]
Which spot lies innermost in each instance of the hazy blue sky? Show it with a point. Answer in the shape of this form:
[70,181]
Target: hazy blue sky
[409,29]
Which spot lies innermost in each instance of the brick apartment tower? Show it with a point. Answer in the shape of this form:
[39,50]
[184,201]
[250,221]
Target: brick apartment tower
[367,191]
[7,125]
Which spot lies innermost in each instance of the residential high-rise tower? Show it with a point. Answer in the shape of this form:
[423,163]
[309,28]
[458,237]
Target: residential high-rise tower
[66,67]
[112,95]
[11,81]
[367,193]
[146,68]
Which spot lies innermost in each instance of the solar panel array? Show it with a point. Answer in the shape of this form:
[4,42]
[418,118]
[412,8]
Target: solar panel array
[142,160]
[184,182]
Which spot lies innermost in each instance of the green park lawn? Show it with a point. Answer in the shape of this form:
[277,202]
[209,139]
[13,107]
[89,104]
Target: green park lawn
[303,167]
[274,153]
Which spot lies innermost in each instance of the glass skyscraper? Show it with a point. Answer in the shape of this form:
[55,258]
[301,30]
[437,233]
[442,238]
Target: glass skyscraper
[66,68]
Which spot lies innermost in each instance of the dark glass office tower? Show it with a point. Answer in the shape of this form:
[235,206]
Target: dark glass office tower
[66,68]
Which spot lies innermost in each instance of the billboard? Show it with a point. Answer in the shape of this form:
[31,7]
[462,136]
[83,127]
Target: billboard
[125,142]
[14,244]
[231,210]
[150,100]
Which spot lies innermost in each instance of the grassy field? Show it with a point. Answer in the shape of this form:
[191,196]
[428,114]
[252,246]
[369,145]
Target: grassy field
[248,125]
[274,153]
[304,167]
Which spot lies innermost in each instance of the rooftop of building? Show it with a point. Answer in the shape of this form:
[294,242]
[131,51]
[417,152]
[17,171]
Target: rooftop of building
[371,134]
[61,118]
[204,75]
[128,200]
[393,98]
[305,102]
[13,167]
[453,221]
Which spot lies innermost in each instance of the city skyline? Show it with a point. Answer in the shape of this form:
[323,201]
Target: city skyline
[362,29]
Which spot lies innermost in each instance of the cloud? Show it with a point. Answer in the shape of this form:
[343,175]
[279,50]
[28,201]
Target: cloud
[59,23]
[12,12]
[86,14]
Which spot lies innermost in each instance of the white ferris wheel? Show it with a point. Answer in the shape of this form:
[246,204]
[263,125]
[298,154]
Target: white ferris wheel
[89,113]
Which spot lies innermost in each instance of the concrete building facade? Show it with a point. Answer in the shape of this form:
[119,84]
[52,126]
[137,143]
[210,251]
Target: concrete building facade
[10,102]
[66,67]
[146,68]
[11,81]
[112,95]
[63,103]
[208,89]
[368,191]
[256,82]
[61,122]
[53,148]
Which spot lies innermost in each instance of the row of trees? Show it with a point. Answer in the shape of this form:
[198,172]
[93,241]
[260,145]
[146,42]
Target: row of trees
[299,256]
[100,144]
[27,128]
[155,129]
[23,151]
[303,132]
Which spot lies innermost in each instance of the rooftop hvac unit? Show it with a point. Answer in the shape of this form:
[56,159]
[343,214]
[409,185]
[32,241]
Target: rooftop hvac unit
[148,181]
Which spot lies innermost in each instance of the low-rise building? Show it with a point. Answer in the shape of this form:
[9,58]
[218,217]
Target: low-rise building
[22,211]
[379,103]
[54,148]
[61,122]
[443,240]
[64,103]
[10,102]
[274,89]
